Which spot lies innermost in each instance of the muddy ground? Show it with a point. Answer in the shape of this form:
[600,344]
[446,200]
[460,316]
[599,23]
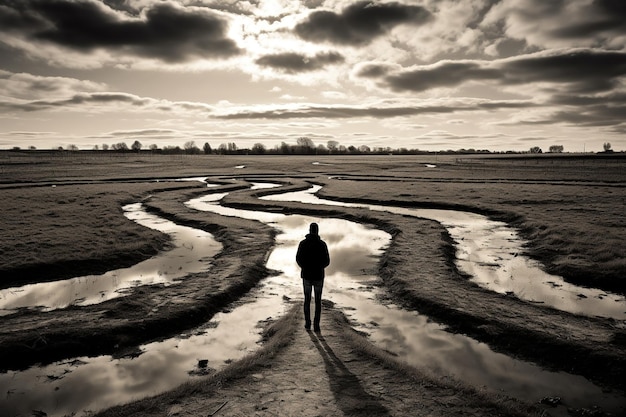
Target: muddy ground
[332,373]
[344,368]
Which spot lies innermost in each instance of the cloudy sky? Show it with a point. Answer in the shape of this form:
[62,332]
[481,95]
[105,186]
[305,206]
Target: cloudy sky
[426,74]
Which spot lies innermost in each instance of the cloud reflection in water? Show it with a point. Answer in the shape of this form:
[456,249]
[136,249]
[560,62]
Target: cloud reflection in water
[94,383]
[192,251]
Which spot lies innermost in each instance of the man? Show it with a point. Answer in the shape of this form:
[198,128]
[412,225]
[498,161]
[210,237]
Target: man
[312,257]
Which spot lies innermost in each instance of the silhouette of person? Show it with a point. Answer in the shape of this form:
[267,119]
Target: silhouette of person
[312,257]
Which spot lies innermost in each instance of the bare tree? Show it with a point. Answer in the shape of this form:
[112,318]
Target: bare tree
[607,147]
[556,148]
[305,144]
[285,149]
[120,146]
[191,148]
[258,149]
[136,146]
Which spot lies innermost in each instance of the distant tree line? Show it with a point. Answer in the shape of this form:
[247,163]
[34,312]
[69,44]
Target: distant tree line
[303,146]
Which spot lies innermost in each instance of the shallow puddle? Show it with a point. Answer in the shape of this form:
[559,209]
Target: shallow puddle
[192,251]
[492,254]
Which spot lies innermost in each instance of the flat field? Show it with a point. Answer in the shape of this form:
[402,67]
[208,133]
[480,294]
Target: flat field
[62,218]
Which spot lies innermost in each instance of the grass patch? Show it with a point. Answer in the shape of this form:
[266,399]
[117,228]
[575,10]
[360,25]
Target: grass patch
[55,233]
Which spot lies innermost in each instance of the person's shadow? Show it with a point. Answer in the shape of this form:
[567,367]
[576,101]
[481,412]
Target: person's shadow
[349,395]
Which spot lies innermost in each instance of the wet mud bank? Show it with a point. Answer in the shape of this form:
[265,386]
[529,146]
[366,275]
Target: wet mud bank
[154,312]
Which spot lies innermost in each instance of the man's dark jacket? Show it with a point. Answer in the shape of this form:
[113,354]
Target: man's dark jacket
[312,257]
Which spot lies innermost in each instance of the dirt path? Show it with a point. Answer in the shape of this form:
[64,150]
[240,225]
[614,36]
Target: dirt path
[296,383]
[333,373]
[307,379]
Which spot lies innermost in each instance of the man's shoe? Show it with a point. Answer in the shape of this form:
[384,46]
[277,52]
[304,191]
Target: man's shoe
[317,329]
[307,326]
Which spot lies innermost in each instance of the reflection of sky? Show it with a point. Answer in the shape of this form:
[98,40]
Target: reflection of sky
[95,383]
[491,253]
[412,337]
[192,252]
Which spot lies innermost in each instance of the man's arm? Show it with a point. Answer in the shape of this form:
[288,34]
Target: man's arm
[326,255]
[300,256]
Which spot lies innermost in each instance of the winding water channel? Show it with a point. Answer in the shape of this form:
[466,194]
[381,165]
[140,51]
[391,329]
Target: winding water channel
[83,384]
[192,251]
[491,253]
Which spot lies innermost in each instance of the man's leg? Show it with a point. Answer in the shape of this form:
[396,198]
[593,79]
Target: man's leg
[318,286]
[308,287]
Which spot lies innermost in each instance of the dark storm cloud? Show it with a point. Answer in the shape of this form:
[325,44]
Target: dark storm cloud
[164,31]
[600,115]
[91,98]
[26,86]
[229,6]
[446,74]
[601,110]
[154,133]
[606,15]
[292,62]
[122,5]
[345,112]
[77,100]
[359,23]
[546,24]
[578,100]
[373,70]
[102,101]
[584,71]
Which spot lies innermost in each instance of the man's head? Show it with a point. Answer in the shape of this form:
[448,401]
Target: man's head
[314,229]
